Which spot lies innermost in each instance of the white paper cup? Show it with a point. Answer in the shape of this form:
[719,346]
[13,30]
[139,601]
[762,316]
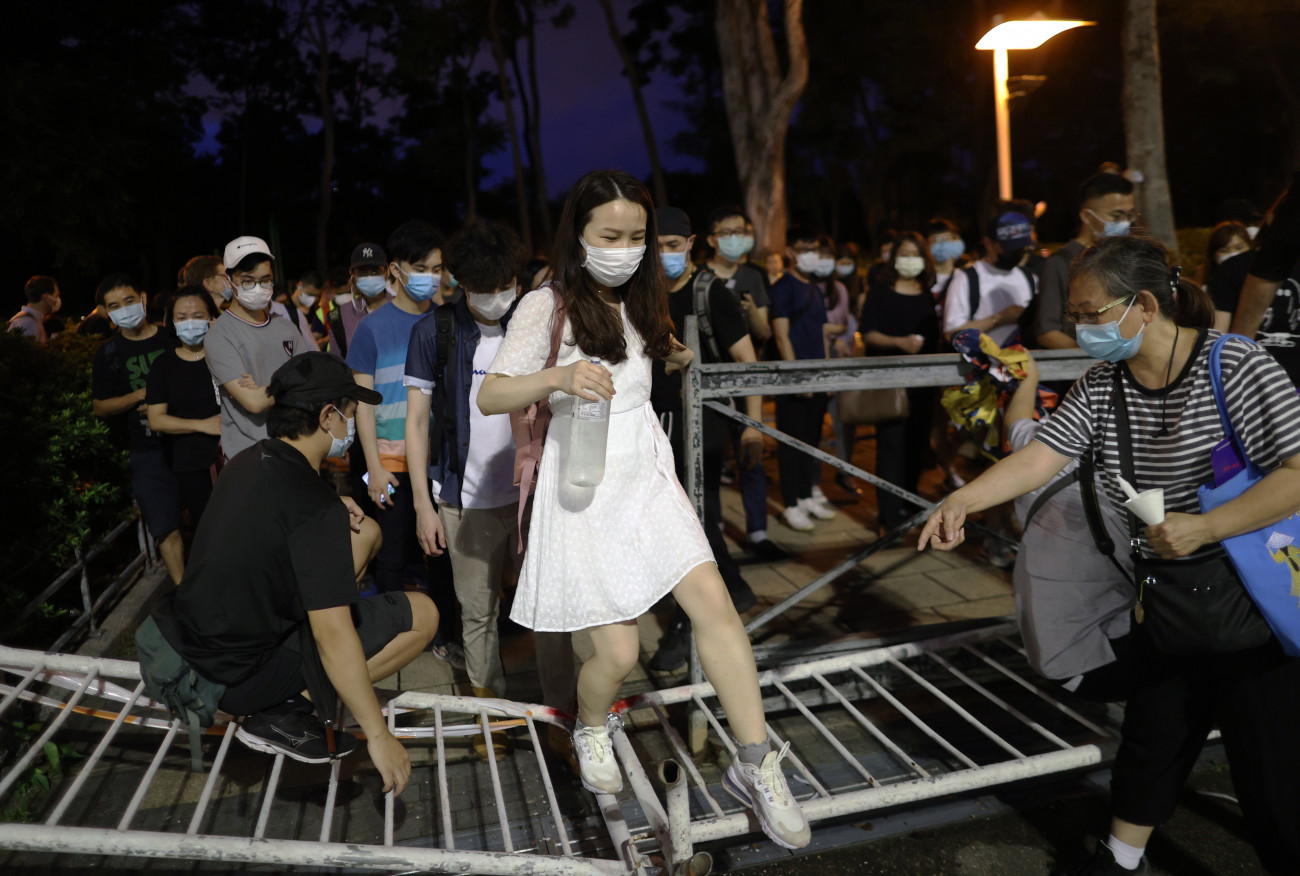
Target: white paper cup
[1148,506]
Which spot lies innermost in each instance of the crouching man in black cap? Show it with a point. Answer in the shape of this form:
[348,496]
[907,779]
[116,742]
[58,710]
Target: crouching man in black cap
[268,605]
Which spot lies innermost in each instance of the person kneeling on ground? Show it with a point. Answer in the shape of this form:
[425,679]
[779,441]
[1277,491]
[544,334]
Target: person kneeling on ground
[268,605]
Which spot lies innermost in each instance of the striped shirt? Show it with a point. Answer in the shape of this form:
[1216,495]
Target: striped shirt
[1262,404]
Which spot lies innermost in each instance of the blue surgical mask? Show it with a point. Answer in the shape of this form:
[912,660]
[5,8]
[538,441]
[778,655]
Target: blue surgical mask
[191,331]
[371,286]
[1104,341]
[420,286]
[944,250]
[1113,229]
[339,446]
[674,264]
[734,247]
[128,317]
[748,241]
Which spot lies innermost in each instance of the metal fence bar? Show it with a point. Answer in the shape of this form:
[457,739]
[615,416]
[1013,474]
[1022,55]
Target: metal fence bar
[1001,703]
[287,854]
[211,782]
[651,806]
[1039,692]
[502,815]
[388,798]
[86,768]
[147,779]
[67,575]
[268,797]
[952,704]
[911,716]
[12,696]
[17,769]
[550,788]
[127,574]
[679,748]
[871,728]
[827,734]
[327,817]
[444,797]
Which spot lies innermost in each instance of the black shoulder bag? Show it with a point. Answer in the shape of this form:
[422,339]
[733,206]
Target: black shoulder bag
[1190,606]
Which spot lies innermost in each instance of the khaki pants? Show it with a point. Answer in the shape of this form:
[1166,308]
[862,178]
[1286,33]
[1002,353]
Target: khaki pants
[482,544]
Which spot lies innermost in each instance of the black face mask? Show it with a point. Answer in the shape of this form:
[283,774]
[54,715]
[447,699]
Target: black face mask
[1008,260]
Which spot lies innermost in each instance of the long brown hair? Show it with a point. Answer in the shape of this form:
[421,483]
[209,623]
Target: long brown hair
[889,274]
[597,329]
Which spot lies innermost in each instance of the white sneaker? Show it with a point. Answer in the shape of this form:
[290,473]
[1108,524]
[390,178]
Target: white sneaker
[796,518]
[814,508]
[597,766]
[763,789]
[818,494]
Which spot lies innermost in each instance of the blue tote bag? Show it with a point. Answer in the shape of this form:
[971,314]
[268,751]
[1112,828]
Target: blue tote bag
[1268,559]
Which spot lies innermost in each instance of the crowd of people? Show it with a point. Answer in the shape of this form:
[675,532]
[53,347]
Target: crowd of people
[405,374]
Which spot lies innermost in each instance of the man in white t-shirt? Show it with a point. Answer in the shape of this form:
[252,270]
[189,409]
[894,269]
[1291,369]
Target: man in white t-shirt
[471,469]
[994,291]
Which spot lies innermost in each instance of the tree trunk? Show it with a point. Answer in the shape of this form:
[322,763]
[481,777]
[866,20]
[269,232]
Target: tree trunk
[535,134]
[521,190]
[759,104]
[325,203]
[1144,120]
[634,79]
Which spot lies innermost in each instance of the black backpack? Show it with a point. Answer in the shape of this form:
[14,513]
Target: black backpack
[1027,319]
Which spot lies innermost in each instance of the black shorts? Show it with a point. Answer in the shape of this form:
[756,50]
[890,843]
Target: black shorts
[378,620]
[157,492]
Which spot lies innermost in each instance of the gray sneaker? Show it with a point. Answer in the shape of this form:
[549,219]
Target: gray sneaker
[763,789]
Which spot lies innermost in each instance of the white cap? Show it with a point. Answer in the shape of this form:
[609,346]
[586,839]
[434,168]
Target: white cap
[241,247]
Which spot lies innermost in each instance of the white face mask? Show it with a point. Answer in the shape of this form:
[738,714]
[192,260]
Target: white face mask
[614,266]
[128,317]
[339,446]
[825,266]
[806,262]
[909,266]
[306,300]
[492,305]
[256,297]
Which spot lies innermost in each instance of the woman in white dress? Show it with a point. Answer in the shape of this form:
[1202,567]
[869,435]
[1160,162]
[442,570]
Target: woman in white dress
[599,557]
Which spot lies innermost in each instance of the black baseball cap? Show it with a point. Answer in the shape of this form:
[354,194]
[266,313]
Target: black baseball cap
[368,255]
[672,221]
[308,379]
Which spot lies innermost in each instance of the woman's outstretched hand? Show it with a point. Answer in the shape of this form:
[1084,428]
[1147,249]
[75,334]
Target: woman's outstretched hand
[946,527]
[587,381]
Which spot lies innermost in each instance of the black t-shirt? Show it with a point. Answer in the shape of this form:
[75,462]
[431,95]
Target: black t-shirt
[1279,332]
[121,367]
[273,544]
[187,390]
[897,315]
[729,326]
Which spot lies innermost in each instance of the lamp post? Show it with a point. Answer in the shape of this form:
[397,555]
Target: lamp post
[1014,35]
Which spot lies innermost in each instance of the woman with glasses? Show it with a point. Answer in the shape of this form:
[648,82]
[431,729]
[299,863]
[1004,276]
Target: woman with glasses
[1132,311]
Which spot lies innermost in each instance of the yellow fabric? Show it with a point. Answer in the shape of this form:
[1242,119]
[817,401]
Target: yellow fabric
[1014,357]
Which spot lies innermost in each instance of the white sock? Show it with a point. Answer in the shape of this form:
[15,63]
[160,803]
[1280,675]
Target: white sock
[1126,856]
[758,535]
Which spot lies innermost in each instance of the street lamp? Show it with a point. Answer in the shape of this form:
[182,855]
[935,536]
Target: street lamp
[1014,35]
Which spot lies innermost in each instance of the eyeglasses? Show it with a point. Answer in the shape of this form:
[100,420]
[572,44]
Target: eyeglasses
[246,288]
[1092,317]
[729,232]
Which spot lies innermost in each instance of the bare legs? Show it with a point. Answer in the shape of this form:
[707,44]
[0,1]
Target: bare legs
[365,547]
[725,655]
[405,647]
[173,555]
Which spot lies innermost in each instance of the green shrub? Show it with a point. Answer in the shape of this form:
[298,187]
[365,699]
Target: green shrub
[67,482]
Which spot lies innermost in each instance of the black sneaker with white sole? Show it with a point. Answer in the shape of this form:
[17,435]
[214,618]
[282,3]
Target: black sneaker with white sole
[296,734]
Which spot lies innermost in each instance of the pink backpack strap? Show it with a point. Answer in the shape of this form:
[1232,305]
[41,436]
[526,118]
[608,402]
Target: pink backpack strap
[537,417]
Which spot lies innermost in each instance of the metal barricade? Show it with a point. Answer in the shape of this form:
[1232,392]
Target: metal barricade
[711,385]
[876,728]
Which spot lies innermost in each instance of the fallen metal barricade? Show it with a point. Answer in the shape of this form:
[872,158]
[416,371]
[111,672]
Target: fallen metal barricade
[712,385]
[882,727]
[79,570]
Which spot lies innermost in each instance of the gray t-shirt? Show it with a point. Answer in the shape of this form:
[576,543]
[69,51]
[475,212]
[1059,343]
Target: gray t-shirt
[1054,291]
[747,280]
[235,348]
[1070,600]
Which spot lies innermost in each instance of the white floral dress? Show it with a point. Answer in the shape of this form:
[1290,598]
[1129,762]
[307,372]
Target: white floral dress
[603,554]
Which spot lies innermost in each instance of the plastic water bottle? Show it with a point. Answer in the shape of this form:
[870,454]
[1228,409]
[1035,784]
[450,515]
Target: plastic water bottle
[587,438]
